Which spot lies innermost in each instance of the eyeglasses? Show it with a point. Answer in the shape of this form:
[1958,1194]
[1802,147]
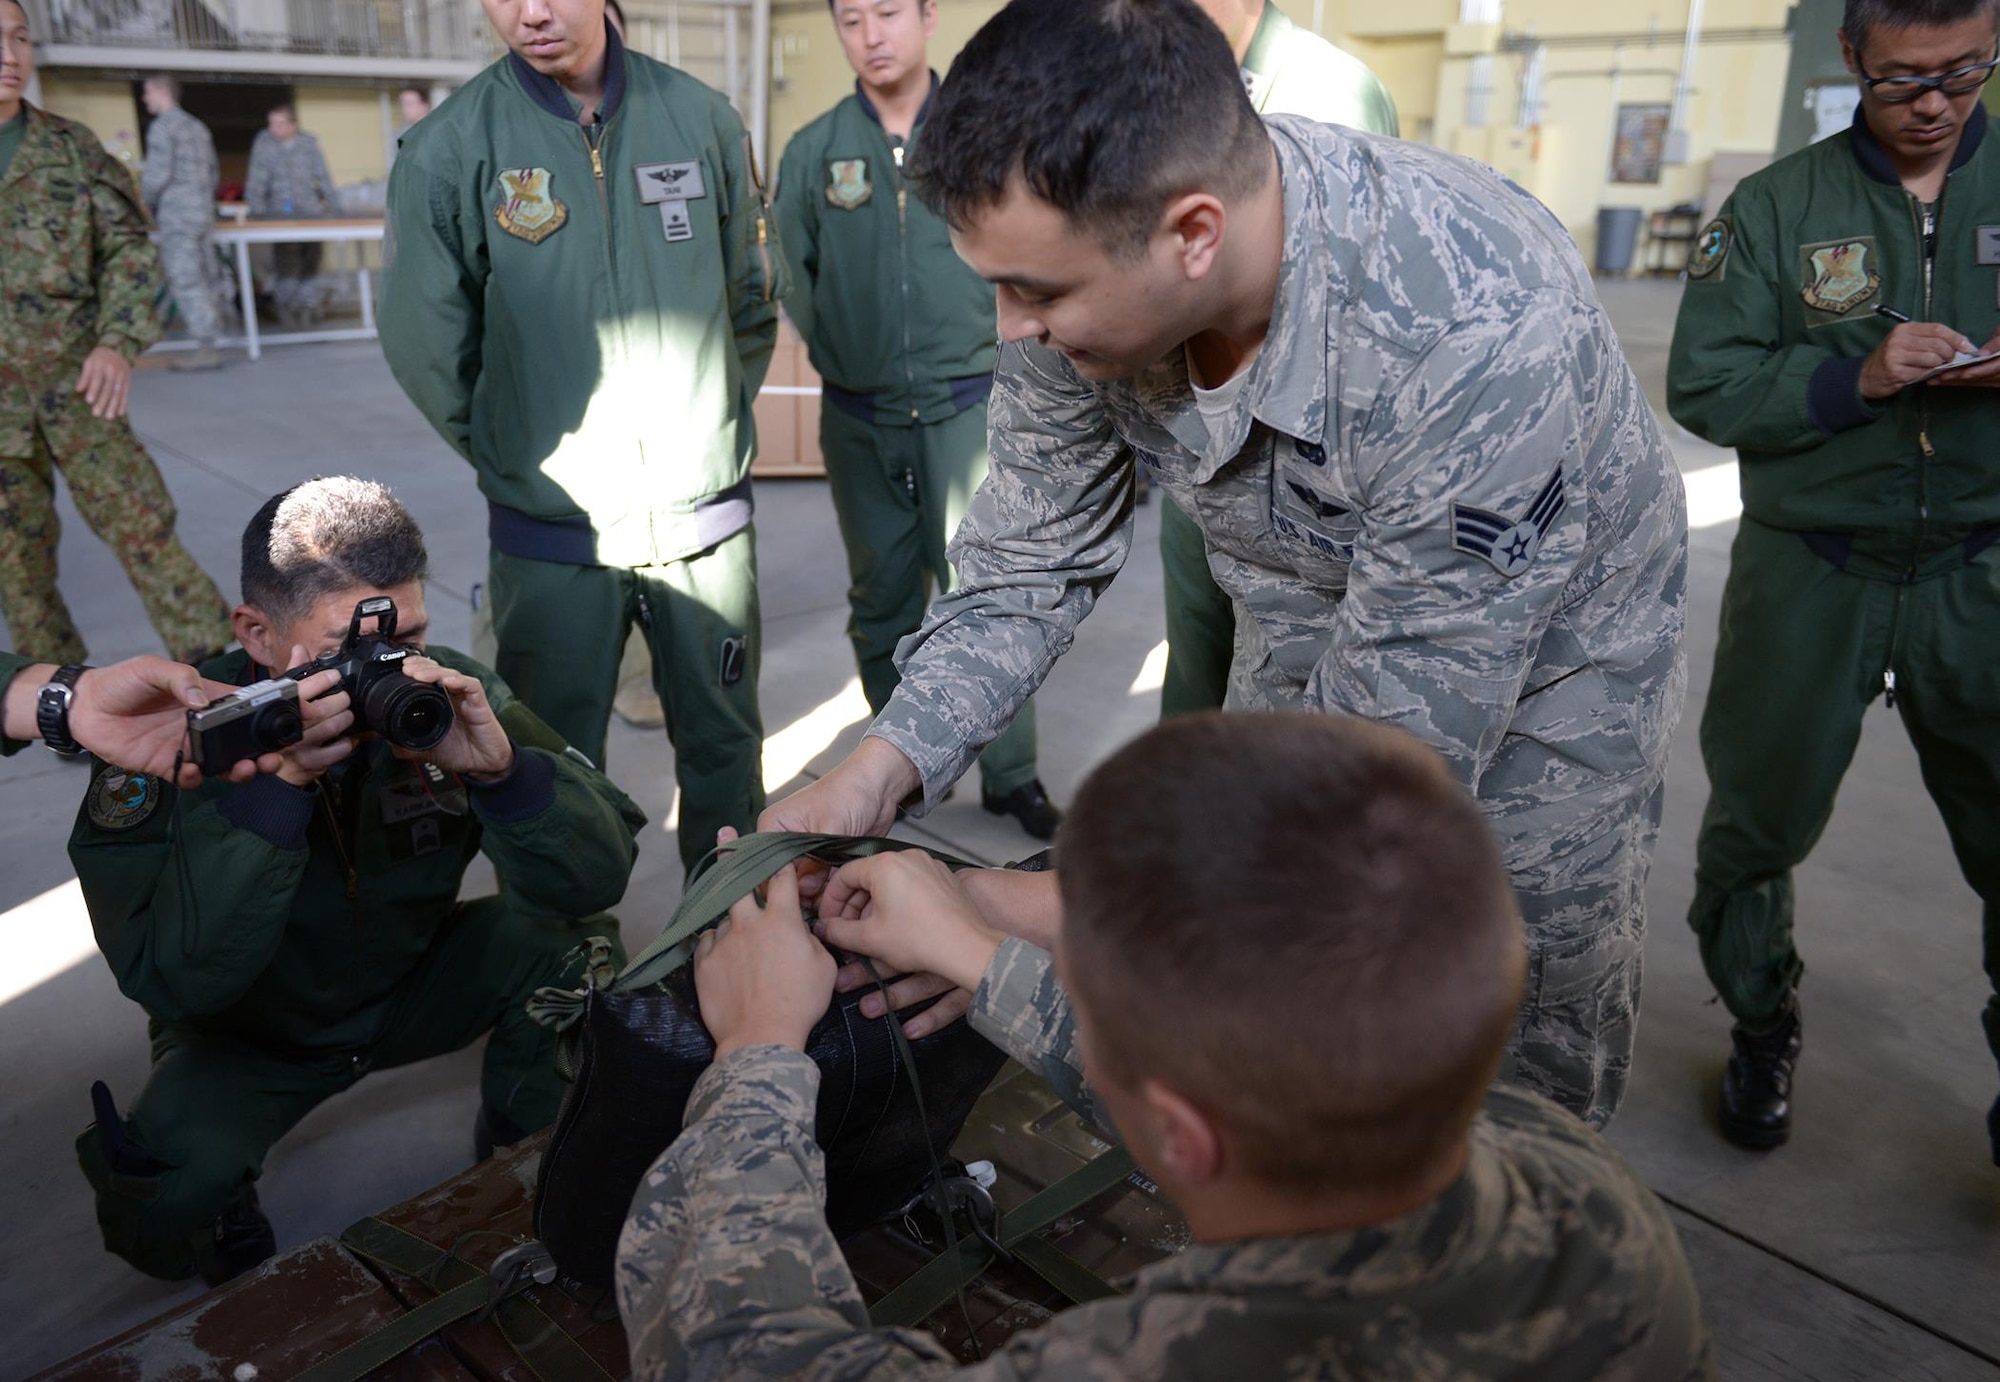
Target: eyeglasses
[1957,82]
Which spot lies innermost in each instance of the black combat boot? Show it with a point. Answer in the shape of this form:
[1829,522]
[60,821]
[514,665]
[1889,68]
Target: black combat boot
[1030,805]
[1757,1087]
[239,1240]
[493,1130]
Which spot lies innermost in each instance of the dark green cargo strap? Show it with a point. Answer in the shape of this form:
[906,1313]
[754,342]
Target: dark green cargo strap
[724,877]
[945,1275]
[549,1353]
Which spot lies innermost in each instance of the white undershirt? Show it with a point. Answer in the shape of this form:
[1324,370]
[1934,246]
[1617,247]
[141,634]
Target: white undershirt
[1218,403]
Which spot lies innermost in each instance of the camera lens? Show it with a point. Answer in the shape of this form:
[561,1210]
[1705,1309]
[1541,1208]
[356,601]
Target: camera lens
[275,727]
[409,714]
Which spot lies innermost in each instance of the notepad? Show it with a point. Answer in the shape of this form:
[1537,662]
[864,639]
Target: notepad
[1964,359]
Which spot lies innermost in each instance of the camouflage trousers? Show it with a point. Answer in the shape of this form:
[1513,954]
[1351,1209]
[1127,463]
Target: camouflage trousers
[1585,914]
[190,263]
[118,490]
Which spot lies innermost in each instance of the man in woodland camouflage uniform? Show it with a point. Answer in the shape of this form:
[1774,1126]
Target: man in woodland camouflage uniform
[1389,397]
[78,284]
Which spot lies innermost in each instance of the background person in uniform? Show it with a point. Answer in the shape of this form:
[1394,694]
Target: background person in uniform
[1867,563]
[178,182]
[901,332]
[580,295]
[290,934]
[1288,71]
[289,181]
[79,287]
[1304,1071]
[1420,463]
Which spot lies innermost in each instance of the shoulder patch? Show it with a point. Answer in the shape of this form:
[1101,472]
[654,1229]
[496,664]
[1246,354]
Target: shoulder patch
[1710,255]
[120,799]
[1510,545]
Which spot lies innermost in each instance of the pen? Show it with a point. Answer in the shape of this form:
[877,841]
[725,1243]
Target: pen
[1892,314]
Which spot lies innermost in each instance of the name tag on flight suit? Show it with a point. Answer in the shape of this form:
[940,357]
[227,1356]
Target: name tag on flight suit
[671,186]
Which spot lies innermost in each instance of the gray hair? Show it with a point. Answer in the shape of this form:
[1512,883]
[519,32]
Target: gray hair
[325,536]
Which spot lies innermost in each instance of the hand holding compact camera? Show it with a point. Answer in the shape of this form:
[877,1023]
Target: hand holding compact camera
[362,687]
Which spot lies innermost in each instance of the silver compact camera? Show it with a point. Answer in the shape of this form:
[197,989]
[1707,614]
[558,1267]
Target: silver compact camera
[261,718]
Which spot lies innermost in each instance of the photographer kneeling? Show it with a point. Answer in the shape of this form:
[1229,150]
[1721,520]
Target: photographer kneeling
[288,934]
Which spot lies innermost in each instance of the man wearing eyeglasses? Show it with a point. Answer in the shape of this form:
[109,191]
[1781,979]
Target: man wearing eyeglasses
[1820,304]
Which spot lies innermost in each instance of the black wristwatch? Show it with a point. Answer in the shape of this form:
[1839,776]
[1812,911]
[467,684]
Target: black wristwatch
[52,705]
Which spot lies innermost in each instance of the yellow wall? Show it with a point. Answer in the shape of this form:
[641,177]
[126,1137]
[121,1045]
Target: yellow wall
[107,107]
[348,123]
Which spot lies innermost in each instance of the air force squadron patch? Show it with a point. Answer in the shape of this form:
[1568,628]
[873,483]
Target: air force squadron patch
[528,210]
[1510,544]
[121,800]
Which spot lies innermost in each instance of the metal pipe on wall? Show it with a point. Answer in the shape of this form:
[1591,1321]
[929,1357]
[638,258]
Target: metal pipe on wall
[1684,84]
[760,81]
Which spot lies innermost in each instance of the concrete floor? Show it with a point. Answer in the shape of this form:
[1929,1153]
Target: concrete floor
[1869,1248]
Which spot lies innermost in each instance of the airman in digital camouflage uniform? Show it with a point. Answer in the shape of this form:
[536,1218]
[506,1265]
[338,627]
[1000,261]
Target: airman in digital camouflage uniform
[1288,71]
[178,181]
[1424,470]
[1364,1202]
[79,284]
[289,180]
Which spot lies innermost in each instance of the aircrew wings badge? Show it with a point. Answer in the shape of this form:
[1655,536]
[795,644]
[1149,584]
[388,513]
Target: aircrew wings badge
[1509,544]
[527,208]
[847,185]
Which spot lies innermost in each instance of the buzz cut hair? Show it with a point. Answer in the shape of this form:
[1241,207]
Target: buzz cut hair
[1105,109]
[1301,923]
[1862,18]
[327,535]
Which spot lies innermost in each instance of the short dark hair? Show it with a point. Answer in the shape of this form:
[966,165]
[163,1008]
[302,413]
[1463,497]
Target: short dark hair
[1106,109]
[286,109]
[1300,922]
[417,91]
[325,536]
[1863,17]
[166,81]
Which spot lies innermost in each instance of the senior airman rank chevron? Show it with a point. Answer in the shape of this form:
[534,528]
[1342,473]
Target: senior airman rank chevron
[1509,544]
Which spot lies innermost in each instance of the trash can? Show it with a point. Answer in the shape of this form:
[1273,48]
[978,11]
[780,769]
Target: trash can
[1617,239]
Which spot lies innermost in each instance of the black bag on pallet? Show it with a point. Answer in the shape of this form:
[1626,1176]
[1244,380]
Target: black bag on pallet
[636,1045]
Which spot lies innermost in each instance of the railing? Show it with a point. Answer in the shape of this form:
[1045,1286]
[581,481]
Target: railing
[421,29]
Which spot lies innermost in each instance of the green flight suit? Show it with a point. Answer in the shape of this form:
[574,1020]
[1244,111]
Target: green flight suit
[286,942]
[902,334]
[1866,561]
[12,666]
[1289,71]
[587,314]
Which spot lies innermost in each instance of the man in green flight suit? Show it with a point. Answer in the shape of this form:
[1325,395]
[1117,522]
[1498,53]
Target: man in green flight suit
[580,295]
[1819,303]
[1289,71]
[901,332]
[288,934]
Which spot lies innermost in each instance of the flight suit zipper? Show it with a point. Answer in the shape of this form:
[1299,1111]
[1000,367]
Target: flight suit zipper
[903,275]
[594,147]
[1925,220]
[764,251]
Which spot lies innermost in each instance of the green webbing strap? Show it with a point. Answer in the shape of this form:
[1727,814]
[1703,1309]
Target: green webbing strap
[399,1336]
[941,1278]
[549,1352]
[731,871]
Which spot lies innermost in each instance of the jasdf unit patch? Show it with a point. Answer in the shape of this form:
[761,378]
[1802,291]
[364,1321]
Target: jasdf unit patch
[527,207]
[121,800]
[847,185]
[1710,255]
[1510,544]
[1838,277]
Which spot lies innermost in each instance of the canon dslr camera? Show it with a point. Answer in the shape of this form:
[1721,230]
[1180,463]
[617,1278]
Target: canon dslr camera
[265,718]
